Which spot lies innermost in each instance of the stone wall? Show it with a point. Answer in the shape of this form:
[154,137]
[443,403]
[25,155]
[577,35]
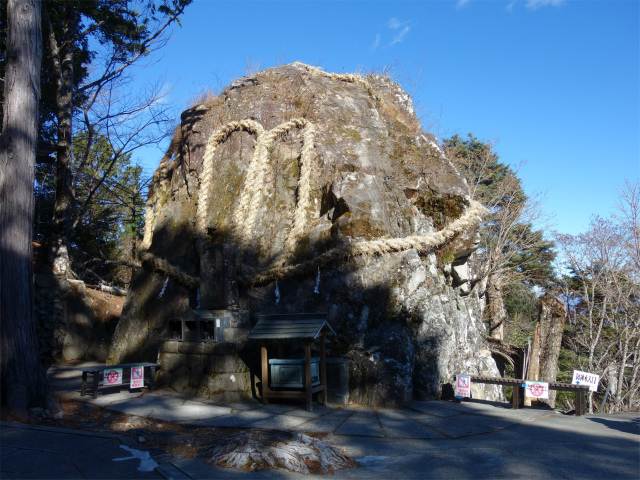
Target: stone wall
[221,371]
[216,371]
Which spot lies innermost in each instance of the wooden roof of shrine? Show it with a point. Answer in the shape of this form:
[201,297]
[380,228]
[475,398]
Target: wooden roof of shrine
[291,326]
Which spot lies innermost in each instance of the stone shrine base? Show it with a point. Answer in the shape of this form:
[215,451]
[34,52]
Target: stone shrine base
[217,371]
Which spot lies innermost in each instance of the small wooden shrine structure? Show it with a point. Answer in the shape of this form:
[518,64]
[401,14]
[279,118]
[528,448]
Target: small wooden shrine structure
[307,327]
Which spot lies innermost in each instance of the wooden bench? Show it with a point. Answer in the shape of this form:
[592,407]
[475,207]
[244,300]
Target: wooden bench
[98,372]
[517,398]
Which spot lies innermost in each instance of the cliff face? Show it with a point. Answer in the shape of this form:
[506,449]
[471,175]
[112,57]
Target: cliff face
[335,201]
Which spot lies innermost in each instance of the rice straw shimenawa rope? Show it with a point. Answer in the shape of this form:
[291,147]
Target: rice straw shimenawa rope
[246,213]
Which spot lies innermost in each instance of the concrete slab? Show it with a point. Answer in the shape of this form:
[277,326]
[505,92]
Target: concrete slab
[326,423]
[318,411]
[277,409]
[6,451]
[363,422]
[494,423]
[52,441]
[454,427]
[476,405]
[22,462]
[393,413]
[189,411]
[6,431]
[364,414]
[244,405]
[439,409]
[111,461]
[172,472]
[60,471]
[408,429]
[235,420]
[145,405]
[351,407]
[104,400]
[623,422]
[278,422]
[521,415]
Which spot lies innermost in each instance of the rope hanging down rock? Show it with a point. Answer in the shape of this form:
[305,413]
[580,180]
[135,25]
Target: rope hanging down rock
[421,243]
[157,264]
[246,213]
[257,169]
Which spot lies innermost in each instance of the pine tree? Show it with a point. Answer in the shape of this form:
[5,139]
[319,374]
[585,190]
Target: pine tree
[512,252]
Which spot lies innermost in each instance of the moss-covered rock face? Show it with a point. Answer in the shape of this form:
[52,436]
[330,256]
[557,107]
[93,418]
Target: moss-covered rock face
[404,323]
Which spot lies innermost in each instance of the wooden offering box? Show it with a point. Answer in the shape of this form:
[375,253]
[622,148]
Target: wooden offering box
[286,375]
[289,373]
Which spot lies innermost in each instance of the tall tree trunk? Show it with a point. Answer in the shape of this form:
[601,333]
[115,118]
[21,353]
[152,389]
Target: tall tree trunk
[62,57]
[495,304]
[547,341]
[620,379]
[533,366]
[23,381]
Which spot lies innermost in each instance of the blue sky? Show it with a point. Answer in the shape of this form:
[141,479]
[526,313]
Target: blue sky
[556,82]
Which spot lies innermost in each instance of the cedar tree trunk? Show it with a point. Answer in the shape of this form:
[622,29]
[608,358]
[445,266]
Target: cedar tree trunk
[23,381]
[62,57]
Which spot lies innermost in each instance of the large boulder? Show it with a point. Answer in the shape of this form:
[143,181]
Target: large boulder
[336,201]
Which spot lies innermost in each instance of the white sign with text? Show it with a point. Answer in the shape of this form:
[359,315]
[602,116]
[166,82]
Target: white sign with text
[537,389]
[585,378]
[113,376]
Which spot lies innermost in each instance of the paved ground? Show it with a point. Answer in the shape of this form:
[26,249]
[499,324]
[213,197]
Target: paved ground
[423,440]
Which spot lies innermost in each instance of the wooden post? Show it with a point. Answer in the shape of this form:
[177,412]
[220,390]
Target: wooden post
[264,360]
[323,369]
[581,401]
[83,390]
[578,402]
[95,384]
[307,376]
[515,397]
[152,378]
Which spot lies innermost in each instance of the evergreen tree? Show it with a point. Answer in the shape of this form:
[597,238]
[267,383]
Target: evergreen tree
[108,209]
[22,380]
[126,32]
[512,252]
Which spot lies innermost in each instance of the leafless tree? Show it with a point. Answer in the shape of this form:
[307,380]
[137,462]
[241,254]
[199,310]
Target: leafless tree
[102,86]
[602,288]
[127,119]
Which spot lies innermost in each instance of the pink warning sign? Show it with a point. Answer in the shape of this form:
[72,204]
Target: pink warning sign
[137,377]
[463,386]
